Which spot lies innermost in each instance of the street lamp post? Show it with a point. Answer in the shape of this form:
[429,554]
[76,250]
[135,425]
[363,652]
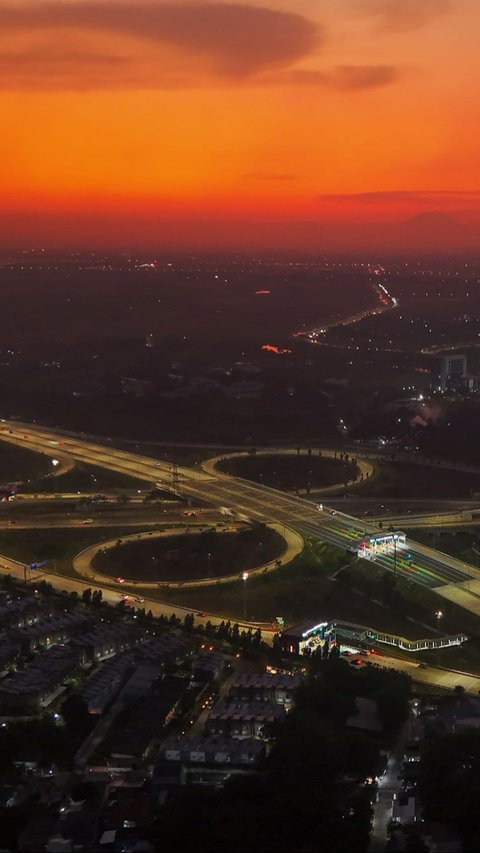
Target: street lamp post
[438,614]
[55,463]
[477,555]
[245,578]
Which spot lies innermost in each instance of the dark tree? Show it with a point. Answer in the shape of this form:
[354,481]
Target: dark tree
[75,713]
[87,596]
[188,621]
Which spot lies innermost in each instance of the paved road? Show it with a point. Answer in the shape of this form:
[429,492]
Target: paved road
[444,678]
[113,595]
[101,516]
[448,576]
[388,785]
[428,567]
[365,467]
[82,563]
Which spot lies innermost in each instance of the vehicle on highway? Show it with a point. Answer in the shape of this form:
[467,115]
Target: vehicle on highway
[8,492]
[190,513]
[119,580]
[139,599]
[201,613]
[87,521]
[333,512]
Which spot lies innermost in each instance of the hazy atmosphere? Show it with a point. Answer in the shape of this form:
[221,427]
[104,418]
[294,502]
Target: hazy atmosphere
[329,122]
[239,426]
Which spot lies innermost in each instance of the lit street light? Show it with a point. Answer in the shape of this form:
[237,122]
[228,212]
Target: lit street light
[55,463]
[438,614]
[245,578]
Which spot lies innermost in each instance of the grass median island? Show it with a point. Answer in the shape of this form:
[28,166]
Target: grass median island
[289,471]
[406,600]
[302,590]
[20,465]
[460,542]
[56,545]
[404,480]
[183,455]
[89,478]
[209,553]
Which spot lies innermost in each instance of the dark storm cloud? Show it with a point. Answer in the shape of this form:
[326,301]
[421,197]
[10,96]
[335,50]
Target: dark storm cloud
[234,40]
[403,14]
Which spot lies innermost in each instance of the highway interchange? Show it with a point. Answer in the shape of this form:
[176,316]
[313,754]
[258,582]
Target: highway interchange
[447,576]
[428,567]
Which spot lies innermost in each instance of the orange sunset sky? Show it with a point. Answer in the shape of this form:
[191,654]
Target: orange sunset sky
[197,121]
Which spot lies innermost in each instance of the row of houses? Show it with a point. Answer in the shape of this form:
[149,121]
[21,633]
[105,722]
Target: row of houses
[107,640]
[242,719]
[105,682]
[213,749]
[145,713]
[278,688]
[235,729]
[74,639]
[19,611]
[52,630]
[39,682]
[209,665]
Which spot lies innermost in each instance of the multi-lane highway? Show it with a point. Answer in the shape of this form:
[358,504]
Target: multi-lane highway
[426,566]
[113,596]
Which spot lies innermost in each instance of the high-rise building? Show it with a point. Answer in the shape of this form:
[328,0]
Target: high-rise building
[453,372]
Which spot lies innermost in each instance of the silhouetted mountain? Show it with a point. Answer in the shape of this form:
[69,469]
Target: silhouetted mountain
[435,229]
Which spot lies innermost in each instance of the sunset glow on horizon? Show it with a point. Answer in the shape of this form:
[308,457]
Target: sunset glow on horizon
[132,120]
